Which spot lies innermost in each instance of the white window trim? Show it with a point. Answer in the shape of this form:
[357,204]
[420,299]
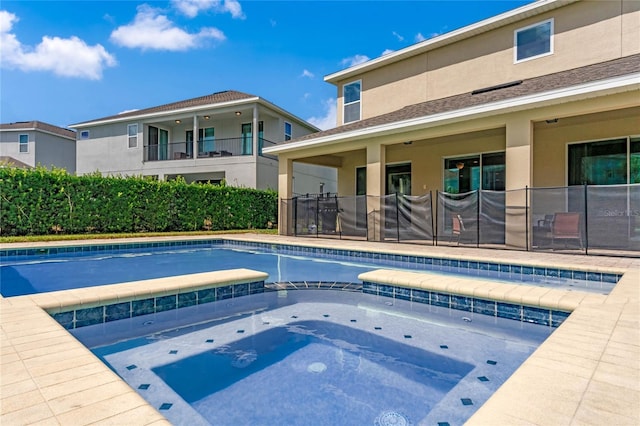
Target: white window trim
[20,144]
[129,135]
[81,135]
[515,41]
[285,131]
[344,104]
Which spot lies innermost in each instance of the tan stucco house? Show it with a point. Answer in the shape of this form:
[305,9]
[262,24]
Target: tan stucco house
[544,95]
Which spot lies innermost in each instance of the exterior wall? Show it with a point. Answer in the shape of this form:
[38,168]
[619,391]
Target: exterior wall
[307,179]
[266,176]
[107,151]
[44,149]
[585,32]
[55,151]
[550,140]
[10,146]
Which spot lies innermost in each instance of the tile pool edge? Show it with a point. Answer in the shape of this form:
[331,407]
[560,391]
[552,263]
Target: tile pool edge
[532,269]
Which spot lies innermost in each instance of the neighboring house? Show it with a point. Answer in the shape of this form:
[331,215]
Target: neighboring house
[544,95]
[205,139]
[27,144]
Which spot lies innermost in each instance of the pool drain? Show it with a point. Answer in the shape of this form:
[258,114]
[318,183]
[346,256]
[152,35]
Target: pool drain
[391,418]
[316,367]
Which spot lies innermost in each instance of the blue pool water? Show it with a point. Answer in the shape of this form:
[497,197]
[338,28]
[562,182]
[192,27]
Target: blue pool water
[27,274]
[314,357]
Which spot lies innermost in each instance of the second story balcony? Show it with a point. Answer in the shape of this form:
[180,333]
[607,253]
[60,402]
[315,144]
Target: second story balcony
[207,148]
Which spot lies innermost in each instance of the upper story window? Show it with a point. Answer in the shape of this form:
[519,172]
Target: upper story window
[24,143]
[351,95]
[84,134]
[533,41]
[287,131]
[132,131]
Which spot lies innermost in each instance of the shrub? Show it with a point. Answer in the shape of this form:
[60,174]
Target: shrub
[39,201]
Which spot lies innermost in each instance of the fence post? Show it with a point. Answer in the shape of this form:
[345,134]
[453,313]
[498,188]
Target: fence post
[433,241]
[397,220]
[295,216]
[478,218]
[586,227]
[366,214]
[435,231]
[526,216]
[317,216]
[338,218]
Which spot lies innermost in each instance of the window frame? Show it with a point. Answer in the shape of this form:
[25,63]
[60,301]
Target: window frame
[345,104]
[528,27]
[84,134]
[288,135]
[130,136]
[23,144]
[633,138]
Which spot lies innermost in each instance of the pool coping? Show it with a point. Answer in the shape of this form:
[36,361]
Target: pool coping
[588,371]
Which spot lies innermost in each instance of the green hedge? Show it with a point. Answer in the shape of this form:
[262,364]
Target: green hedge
[40,201]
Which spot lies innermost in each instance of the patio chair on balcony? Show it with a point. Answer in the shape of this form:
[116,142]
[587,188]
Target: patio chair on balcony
[566,227]
[457,227]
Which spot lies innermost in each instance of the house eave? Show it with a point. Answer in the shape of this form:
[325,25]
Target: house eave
[195,109]
[36,129]
[468,31]
[629,82]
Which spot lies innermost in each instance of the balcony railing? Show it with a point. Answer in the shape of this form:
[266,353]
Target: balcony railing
[205,149]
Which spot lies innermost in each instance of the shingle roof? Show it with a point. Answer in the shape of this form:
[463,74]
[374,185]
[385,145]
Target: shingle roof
[214,98]
[34,124]
[545,83]
[7,161]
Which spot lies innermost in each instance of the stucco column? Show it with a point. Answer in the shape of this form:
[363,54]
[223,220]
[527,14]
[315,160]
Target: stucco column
[195,137]
[255,130]
[518,159]
[285,192]
[375,189]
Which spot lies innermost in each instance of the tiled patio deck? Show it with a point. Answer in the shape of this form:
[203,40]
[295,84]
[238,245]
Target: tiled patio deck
[587,372]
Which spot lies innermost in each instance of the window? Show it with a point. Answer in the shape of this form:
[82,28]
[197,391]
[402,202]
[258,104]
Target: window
[132,131]
[464,174]
[84,134]
[604,162]
[351,95]
[24,143]
[533,41]
[287,131]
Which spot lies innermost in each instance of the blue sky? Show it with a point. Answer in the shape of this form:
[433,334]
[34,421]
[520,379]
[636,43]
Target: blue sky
[64,62]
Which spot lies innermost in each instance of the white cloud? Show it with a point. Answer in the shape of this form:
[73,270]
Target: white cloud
[307,73]
[191,8]
[151,30]
[67,57]
[387,51]
[398,36]
[419,37]
[354,60]
[328,120]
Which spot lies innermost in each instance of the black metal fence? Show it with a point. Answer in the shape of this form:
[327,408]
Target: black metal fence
[587,219]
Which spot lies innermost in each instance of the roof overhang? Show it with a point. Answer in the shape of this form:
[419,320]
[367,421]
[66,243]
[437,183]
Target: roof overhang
[39,130]
[159,115]
[626,83]
[469,31]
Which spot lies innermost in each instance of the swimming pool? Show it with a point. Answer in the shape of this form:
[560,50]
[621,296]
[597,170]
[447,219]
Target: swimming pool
[42,270]
[314,357]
